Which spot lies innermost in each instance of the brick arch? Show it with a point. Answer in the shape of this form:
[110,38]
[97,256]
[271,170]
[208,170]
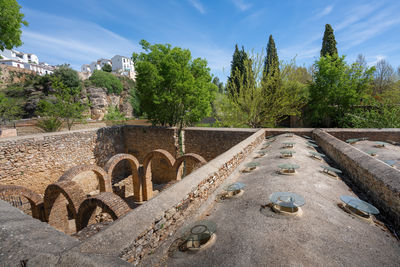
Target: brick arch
[104,178]
[134,163]
[189,156]
[108,202]
[56,210]
[147,182]
[35,200]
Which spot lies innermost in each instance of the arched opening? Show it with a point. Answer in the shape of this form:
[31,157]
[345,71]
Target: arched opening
[163,162]
[61,201]
[91,178]
[108,205]
[24,199]
[186,164]
[123,169]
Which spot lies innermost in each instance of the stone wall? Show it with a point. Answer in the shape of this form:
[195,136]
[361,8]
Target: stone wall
[139,141]
[380,182]
[162,215]
[386,134]
[10,75]
[37,161]
[211,142]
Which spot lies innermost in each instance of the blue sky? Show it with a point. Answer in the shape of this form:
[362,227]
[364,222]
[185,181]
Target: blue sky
[79,32]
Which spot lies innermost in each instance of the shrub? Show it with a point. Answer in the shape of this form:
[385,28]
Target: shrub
[50,124]
[106,80]
[113,114]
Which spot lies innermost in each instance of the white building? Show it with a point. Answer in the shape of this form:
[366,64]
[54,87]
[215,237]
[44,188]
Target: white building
[19,56]
[25,61]
[124,66]
[121,65]
[85,68]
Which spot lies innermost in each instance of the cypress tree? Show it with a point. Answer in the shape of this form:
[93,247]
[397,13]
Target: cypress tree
[329,42]
[237,65]
[271,65]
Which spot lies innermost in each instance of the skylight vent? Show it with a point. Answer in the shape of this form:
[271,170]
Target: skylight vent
[288,169]
[358,208]
[287,153]
[287,203]
[316,155]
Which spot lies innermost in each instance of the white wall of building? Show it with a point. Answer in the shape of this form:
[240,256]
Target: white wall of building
[123,64]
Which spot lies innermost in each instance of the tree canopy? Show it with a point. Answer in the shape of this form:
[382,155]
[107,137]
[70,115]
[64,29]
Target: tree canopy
[271,64]
[253,104]
[10,24]
[329,42]
[336,88]
[68,77]
[106,80]
[237,68]
[173,88]
[65,104]
[106,68]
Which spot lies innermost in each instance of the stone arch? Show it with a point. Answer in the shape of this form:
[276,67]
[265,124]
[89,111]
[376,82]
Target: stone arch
[189,156]
[34,199]
[147,181]
[103,177]
[134,163]
[61,201]
[108,202]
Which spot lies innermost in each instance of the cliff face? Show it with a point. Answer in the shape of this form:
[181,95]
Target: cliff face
[25,87]
[101,101]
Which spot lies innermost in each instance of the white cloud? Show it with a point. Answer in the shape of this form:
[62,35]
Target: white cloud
[241,5]
[58,40]
[326,11]
[359,32]
[196,4]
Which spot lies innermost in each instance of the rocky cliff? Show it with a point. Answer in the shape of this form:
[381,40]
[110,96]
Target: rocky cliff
[100,101]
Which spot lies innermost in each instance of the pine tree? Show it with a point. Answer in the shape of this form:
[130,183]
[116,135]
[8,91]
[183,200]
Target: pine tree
[237,67]
[329,43]
[271,65]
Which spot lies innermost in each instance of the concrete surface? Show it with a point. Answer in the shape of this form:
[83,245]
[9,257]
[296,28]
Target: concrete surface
[25,241]
[389,152]
[250,235]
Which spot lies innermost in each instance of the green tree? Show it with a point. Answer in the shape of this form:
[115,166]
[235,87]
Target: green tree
[106,68]
[173,88]
[376,115]
[329,42]
[219,84]
[237,68]
[271,65]
[106,80]
[9,109]
[335,89]
[253,105]
[113,114]
[68,77]
[66,104]
[11,20]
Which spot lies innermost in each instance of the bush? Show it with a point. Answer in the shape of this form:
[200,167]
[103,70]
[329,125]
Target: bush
[106,80]
[113,114]
[67,76]
[107,68]
[50,124]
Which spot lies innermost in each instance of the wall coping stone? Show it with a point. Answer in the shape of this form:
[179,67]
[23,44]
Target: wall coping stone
[42,136]
[384,175]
